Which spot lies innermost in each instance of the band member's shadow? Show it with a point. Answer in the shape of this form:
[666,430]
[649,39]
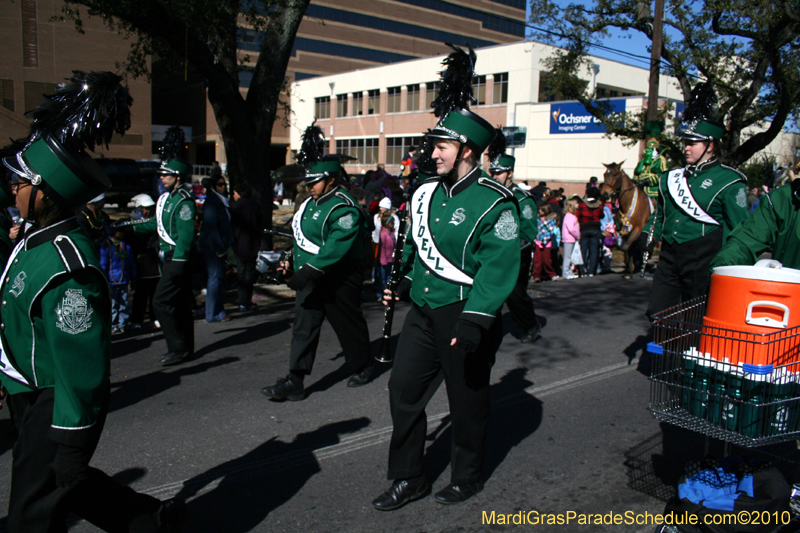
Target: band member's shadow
[128,392]
[249,487]
[639,347]
[514,416]
[344,371]
[126,344]
[517,333]
[246,335]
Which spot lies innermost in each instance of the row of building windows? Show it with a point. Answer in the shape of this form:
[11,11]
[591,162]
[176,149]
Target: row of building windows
[322,105]
[34,92]
[366,150]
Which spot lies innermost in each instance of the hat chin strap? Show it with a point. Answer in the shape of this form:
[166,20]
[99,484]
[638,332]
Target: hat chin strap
[29,217]
[452,177]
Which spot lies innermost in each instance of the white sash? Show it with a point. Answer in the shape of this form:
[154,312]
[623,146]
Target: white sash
[162,231]
[5,363]
[300,239]
[680,192]
[427,251]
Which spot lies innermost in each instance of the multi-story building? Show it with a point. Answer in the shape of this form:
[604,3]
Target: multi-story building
[345,35]
[39,52]
[377,114]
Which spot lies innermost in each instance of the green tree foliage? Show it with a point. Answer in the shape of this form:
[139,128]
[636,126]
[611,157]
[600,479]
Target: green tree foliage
[759,170]
[749,51]
[206,33]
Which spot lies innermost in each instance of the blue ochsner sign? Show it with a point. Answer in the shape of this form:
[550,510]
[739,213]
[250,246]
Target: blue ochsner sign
[572,117]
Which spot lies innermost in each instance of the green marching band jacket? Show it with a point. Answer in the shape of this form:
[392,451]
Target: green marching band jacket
[174,223]
[528,221]
[56,304]
[697,200]
[328,231]
[774,224]
[463,244]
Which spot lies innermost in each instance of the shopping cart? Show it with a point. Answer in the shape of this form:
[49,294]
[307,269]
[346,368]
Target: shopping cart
[740,387]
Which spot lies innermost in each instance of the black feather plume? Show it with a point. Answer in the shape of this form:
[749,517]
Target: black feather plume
[701,104]
[313,146]
[12,149]
[455,87]
[174,141]
[85,111]
[423,157]
[498,146]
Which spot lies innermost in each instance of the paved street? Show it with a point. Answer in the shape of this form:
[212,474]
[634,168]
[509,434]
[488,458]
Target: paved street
[570,429]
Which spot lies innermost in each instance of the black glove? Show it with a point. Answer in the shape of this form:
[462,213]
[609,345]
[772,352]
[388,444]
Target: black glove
[467,335]
[71,465]
[403,291]
[303,277]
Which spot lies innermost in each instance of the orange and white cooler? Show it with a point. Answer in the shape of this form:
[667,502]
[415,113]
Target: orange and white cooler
[750,312]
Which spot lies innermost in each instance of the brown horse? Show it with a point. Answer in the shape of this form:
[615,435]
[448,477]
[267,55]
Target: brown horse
[634,205]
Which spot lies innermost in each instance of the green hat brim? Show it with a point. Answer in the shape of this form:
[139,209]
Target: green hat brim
[323,169]
[70,180]
[504,163]
[176,167]
[466,127]
[704,130]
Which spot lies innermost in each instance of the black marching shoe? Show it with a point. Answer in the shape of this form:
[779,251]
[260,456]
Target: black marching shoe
[400,493]
[173,358]
[285,389]
[172,516]
[458,493]
[363,377]
[531,334]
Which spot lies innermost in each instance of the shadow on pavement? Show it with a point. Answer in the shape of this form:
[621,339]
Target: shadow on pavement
[246,335]
[246,489]
[129,343]
[344,372]
[132,391]
[515,415]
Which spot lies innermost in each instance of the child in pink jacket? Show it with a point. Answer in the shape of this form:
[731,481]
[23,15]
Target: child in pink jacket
[385,252]
[570,234]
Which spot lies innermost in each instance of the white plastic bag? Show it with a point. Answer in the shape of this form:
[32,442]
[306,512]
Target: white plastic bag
[576,258]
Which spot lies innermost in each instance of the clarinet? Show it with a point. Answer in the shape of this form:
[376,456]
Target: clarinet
[385,353]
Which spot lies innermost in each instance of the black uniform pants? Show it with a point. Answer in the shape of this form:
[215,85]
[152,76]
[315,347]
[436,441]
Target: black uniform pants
[424,357]
[173,302]
[37,504]
[338,297]
[682,272]
[519,302]
[143,299]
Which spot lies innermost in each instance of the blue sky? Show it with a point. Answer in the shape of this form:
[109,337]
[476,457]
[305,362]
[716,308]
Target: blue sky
[632,42]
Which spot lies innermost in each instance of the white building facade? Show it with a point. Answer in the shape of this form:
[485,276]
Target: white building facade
[377,114]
